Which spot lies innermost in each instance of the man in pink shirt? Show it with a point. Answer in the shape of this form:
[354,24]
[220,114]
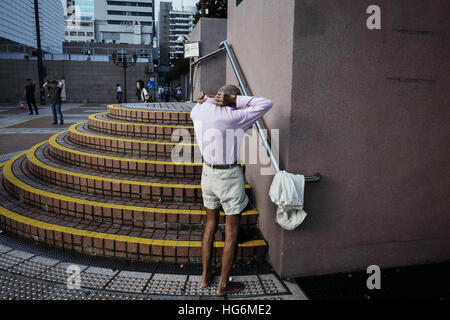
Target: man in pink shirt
[219,125]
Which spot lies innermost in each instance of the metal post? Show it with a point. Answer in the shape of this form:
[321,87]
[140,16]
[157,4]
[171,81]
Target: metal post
[125,81]
[191,91]
[244,91]
[41,69]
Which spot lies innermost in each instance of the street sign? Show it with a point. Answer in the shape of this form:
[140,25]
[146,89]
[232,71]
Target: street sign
[150,84]
[192,49]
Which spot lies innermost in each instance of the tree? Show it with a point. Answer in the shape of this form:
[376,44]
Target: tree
[216,9]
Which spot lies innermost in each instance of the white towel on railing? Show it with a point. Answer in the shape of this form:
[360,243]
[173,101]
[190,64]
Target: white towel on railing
[286,192]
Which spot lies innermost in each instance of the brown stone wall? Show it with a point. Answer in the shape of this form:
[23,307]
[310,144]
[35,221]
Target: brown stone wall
[368,109]
[85,80]
[210,75]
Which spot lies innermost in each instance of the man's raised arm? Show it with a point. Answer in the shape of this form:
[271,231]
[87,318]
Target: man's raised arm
[256,108]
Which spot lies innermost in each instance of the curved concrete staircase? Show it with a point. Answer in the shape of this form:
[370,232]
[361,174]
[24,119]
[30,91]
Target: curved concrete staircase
[108,187]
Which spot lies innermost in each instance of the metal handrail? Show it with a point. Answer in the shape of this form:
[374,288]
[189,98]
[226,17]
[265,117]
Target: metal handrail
[209,55]
[224,45]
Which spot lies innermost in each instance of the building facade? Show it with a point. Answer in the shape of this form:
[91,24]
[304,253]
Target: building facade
[79,21]
[172,25]
[129,22]
[368,109]
[181,24]
[164,32]
[18,23]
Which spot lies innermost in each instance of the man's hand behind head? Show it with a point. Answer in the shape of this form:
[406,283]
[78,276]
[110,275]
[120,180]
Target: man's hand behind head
[201,97]
[224,99]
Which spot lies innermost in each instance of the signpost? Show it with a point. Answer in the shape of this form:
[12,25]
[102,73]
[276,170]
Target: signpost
[150,85]
[191,50]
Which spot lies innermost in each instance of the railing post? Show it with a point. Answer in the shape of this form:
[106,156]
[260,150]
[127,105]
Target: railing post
[244,91]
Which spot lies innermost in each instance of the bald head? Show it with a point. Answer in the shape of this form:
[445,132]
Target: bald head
[230,89]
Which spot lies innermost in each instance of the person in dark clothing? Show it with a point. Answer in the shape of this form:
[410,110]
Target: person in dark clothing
[54,92]
[142,92]
[29,96]
[167,93]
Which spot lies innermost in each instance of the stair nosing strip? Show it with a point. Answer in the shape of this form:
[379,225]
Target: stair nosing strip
[9,174]
[74,130]
[94,118]
[114,106]
[108,236]
[33,159]
[54,143]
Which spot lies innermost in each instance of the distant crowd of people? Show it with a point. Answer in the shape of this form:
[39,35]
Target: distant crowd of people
[166,92]
[163,94]
[55,89]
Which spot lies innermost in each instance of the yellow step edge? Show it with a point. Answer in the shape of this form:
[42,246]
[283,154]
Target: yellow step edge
[32,158]
[9,175]
[114,106]
[74,130]
[107,236]
[93,117]
[52,141]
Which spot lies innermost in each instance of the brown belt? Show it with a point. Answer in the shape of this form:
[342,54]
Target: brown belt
[222,166]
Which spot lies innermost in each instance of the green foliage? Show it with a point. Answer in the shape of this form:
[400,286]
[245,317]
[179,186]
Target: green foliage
[216,9]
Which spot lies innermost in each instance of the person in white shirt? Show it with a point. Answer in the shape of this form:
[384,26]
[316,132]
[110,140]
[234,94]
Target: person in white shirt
[142,92]
[119,93]
[161,93]
[179,93]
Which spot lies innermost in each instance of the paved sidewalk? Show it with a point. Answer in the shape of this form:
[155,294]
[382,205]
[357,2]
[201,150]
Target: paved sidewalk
[20,131]
[31,272]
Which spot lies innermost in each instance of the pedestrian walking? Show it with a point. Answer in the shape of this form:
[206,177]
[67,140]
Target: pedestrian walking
[179,93]
[119,93]
[142,93]
[160,93]
[54,91]
[166,93]
[30,96]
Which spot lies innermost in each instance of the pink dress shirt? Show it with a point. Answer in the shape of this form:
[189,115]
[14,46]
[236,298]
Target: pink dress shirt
[219,131]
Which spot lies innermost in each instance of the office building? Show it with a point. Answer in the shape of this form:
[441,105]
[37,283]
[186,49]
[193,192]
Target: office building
[181,24]
[129,22]
[79,20]
[18,24]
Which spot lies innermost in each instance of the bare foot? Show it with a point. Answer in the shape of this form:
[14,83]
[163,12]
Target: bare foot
[206,280]
[232,287]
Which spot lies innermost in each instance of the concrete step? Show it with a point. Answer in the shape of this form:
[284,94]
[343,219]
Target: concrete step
[102,123]
[61,148]
[20,182]
[81,134]
[109,239]
[160,113]
[175,190]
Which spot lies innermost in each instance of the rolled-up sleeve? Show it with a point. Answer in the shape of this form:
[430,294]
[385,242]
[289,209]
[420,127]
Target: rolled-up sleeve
[256,108]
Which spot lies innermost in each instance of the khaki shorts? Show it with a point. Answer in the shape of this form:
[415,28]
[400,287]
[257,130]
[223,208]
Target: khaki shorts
[224,187]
